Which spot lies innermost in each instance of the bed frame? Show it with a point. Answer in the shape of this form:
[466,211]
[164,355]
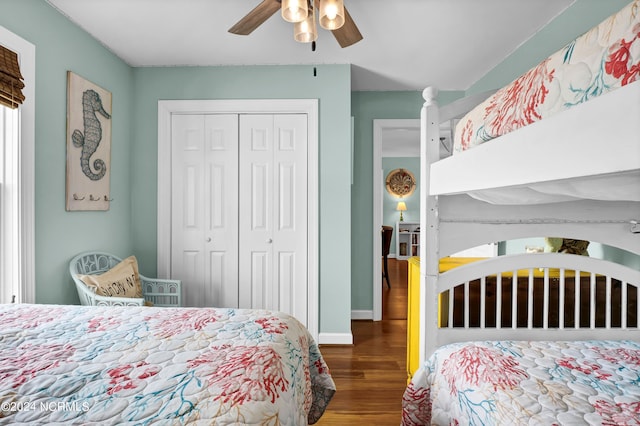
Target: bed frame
[604,305]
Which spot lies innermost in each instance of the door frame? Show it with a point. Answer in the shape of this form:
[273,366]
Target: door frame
[242,106]
[379,125]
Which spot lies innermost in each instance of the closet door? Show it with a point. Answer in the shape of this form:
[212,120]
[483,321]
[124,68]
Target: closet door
[273,213]
[204,226]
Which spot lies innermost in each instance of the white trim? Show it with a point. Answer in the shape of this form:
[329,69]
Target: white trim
[26,168]
[361,314]
[378,126]
[251,106]
[377,219]
[335,339]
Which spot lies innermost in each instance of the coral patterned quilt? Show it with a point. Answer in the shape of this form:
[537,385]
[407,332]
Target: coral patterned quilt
[603,59]
[534,383]
[141,365]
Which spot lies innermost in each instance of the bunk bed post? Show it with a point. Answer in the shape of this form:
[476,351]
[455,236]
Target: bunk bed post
[429,260]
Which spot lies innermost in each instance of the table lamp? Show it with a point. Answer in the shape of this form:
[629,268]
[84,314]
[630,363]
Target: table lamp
[401,208]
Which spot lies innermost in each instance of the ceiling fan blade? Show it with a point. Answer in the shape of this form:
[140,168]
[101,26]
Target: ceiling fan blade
[348,33]
[256,17]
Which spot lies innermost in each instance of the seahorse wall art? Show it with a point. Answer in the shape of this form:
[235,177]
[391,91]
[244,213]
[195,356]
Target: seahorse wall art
[89,141]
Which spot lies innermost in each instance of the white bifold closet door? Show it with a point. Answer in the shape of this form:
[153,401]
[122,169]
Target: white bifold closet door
[273,213]
[204,225]
[239,210]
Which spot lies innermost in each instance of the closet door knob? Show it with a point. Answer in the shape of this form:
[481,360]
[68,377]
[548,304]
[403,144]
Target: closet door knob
[269,241]
[208,240]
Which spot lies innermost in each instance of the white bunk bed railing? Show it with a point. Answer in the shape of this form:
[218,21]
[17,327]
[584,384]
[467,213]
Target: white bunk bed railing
[545,296]
[542,271]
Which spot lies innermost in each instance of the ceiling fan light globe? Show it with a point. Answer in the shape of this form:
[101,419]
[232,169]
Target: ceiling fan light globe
[294,10]
[331,14]
[305,31]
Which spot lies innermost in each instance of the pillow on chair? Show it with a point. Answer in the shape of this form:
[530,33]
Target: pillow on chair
[122,280]
[566,245]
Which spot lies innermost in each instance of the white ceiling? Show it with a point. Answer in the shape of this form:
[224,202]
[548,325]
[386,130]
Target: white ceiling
[405,141]
[407,45]
[401,142]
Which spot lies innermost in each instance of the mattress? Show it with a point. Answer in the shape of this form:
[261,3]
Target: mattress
[143,365]
[534,383]
[604,59]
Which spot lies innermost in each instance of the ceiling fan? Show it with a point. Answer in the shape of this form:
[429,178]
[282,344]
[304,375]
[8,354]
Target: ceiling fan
[332,16]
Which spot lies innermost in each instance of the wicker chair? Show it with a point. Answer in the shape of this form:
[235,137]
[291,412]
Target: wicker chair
[159,292]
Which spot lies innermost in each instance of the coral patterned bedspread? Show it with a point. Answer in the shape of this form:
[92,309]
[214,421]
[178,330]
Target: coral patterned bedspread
[605,58]
[533,383]
[142,365]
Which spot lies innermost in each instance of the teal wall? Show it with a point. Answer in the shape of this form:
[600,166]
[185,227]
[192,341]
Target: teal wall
[389,202]
[59,235]
[130,224]
[331,86]
[366,107]
[576,20]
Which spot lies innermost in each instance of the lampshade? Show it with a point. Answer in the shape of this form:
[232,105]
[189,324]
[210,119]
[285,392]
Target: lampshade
[402,206]
[305,31]
[331,14]
[294,10]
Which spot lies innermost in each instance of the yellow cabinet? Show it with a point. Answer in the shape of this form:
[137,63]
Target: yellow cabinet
[413,317]
[413,314]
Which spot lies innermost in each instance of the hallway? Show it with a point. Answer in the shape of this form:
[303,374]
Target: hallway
[394,299]
[370,375]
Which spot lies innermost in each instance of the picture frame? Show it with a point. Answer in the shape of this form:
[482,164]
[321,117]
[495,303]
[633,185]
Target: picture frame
[88,145]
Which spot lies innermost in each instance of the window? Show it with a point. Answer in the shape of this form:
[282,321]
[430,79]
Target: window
[17,177]
[9,138]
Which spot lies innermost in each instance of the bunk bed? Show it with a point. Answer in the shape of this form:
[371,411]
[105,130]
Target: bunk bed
[537,338]
[114,365]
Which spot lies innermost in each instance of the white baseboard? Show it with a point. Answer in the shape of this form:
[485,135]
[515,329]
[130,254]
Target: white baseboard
[335,339]
[361,315]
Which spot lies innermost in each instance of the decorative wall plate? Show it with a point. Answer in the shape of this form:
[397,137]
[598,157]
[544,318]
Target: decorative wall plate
[400,183]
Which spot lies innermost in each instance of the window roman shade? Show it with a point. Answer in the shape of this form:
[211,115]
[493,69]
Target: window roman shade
[11,83]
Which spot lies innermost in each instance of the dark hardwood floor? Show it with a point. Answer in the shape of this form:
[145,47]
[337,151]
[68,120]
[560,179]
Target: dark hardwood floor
[370,375]
[394,299]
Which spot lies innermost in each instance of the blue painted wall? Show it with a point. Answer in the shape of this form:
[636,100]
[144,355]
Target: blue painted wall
[59,235]
[332,87]
[574,21]
[389,202]
[366,107]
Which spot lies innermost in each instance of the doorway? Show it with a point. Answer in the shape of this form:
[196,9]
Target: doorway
[390,137]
